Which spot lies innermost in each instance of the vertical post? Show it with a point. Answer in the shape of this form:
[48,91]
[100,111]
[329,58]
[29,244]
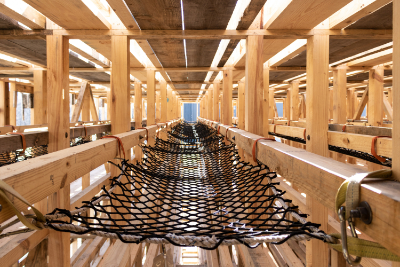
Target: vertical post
[254,85]
[339,96]
[396,91]
[40,96]
[138,105]
[86,104]
[158,107]
[211,103]
[206,108]
[170,105]
[163,94]
[151,97]
[13,103]
[330,116]
[286,104]
[226,110]
[317,133]
[4,104]
[58,124]
[108,104]
[215,101]
[266,113]
[242,105]
[271,104]
[294,101]
[350,103]
[375,97]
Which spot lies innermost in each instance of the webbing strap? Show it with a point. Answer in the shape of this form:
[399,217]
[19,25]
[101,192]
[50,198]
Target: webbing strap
[5,188]
[147,133]
[344,128]
[226,134]
[255,145]
[120,145]
[373,151]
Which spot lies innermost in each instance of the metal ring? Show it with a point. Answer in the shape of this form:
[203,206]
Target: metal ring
[343,229]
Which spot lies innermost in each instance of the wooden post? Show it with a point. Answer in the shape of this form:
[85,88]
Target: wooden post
[4,103]
[350,103]
[286,105]
[330,116]
[109,105]
[158,107]
[226,110]
[339,96]
[390,96]
[86,104]
[241,104]
[266,99]
[40,96]
[375,94]
[163,95]
[396,91]
[170,106]
[294,101]
[206,108]
[254,85]
[317,133]
[138,105]
[58,124]
[271,103]
[151,97]
[211,103]
[216,101]
[13,103]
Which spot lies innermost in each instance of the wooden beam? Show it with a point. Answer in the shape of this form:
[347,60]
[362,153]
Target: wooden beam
[317,133]
[93,106]
[138,105]
[40,96]
[101,34]
[216,91]
[339,96]
[119,255]
[158,107]
[151,254]
[396,90]
[13,104]
[361,105]
[79,103]
[254,85]
[375,101]
[225,257]
[211,103]
[170,107]
[163,92]
[226,103]
[387,107]
[294,101]
[29,16]
[89,254]
[4,103]
[151,97]
[350,104]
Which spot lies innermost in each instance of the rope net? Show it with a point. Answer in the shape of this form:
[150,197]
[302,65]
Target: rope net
[191,189]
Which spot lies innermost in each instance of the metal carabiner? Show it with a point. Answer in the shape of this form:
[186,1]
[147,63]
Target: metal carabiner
[343,228]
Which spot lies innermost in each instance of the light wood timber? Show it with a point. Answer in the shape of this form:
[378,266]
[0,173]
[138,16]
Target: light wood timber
[94,106]
[80,103]
[151,254]
[253,257]
[375,101]
[350,103]
[13,104]
[226,103]
[210,103]
[316,131]
[294,101]
[216,91]
[151,97]
[158,107]
[339,96]
[330,116]
[40,99]
[138,105]
[271,103]
[225,258]
[387,107]
[119,255]
[29,16]
[4,104]
[170,106]
[78,253]
[286,105]
[163,94]
[242,105]
[361,105]
[396,90]
[88,255]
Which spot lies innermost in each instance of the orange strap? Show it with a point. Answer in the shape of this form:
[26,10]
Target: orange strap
[218,128]
[147,133]
[274,128]
[23,140]
[12,127]
[304,135]
[373,151]
[227,129]
[344,128]
[255,145]
[120,145]
[85,130]
[288,123]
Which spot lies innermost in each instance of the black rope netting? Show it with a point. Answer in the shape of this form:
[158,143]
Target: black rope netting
[190,190]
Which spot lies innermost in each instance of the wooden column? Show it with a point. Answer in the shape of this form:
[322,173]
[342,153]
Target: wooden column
[396,91]
[294,101]
[330,115]
[254,85]
[109,104]
[138,105]
[350,103]
[339,96]
[271,103]
[4,103]
[266,113]
[216,101]
[211,103]
[286,105]
[375,97]
[86,104]
[170,107]
[40,96]
[226,110]
[317,134]
[58,124]
[151,97]
[13,103]
[158,107]
[163,95]
[242,105]
[206,113]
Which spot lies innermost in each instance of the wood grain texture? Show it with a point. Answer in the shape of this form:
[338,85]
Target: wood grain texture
[375,100]
[226,103]
[40,99]
[339,96]
[4,104]
[216,92]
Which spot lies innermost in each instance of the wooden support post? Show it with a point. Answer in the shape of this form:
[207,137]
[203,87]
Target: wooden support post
[241,104]
[375,101]
[294,101]
[138,105]
[396,91]
[158,107]
[58,124]
[361,104]
[271,103]
[170,106]
[317,133]
[13,103]
[86,104]
[210,103]
[151,97]
[206,103]
[4,104]
[109,100]
[390,96]
[216,101]
[266,113]
[94,106]
[350,103]
[339,96]
[226,109]
[330,115]
[163,94]
[254,85]
[40,96]
[286,105]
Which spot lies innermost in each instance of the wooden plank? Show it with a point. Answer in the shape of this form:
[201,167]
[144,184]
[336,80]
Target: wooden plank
[151,254]
[93,106]
[138,105]
[253,257]
[4,104]
[158,107]
[119,255]
[241,106]
[216,92]
[226,103]
[163,92]
[396,90]
[40,96]
[79,103]
[254,85]
[294,101]
[170,107]
[350,103]
[88,255]
[13,104]
[28,16]
[210,103]
[85,113]
[387,107]
[225,259]
[78,253]
[151,97]
[212,258]
[375,101]
[362,104]
[339,96]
